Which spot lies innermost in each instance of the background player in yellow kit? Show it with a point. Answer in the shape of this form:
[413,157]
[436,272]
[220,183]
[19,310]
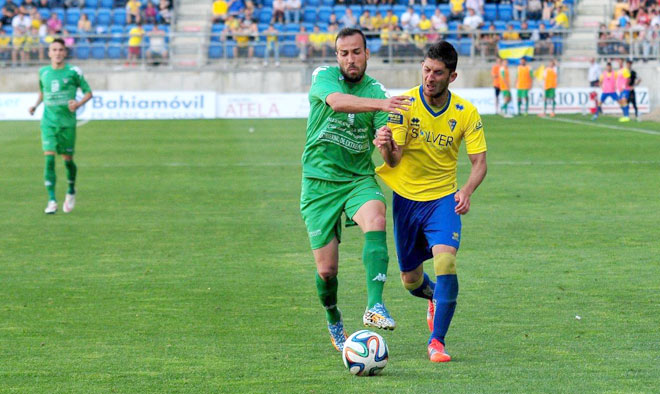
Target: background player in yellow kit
[420,148]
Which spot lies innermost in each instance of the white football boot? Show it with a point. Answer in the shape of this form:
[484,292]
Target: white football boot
[51,208]
[69,203]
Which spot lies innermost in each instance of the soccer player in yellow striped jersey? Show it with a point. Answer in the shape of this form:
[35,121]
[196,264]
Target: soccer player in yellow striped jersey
[420,149]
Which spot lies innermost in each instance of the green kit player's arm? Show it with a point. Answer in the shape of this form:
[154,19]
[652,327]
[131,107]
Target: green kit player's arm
[39,100]
[74,105]
[347,103]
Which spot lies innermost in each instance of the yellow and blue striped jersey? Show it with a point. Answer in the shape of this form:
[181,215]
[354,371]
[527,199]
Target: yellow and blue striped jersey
[430,138]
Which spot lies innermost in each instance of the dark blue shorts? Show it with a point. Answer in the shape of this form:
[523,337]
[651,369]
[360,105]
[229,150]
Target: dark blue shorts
[419,225]
[604,96]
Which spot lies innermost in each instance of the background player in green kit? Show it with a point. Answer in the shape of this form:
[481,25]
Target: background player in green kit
[346,107]
[58,84]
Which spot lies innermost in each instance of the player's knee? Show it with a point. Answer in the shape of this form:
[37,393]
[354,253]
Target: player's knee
[411,280]
[377,222]
[444,264]
[327,273]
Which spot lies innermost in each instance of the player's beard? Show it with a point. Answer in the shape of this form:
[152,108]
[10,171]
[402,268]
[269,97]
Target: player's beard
[350,79]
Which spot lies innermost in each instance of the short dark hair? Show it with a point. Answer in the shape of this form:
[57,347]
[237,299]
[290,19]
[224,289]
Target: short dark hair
[349,31]
[59,41]
[443,51]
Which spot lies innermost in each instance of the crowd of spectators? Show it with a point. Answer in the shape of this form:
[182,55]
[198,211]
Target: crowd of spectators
[634,30]
[409,32]
[25,34]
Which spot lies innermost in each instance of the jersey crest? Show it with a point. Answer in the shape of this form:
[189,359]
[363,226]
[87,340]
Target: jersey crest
[452,123]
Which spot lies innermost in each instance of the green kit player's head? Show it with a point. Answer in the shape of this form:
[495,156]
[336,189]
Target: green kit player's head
[57,52]
[352,54]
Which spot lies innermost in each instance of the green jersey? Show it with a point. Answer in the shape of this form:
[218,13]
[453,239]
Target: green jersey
[339,145]
[58,87]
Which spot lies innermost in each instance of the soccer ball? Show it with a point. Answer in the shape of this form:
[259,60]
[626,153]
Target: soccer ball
[365,353]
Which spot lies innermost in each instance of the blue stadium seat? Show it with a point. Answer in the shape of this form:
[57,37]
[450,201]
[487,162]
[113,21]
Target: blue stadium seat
[278,26]
[91,14]
[268,3]
[8,29]
[312,3]
[516,24]
[559,44]
[490,12]
[72,29]
[323,26]
[402,2]
[371,8]
[500,25]
[104,17]
[532,25]
[399,9]
[383,8]
[117,33]
[328,3]
[261,26]
[374,45]
[98,51]
[309,15]
[119,16]
[215,51]
[465,46]
[289,50]
[260,50]
[82,51]
[44,12]
[265,15]
[72,16]
[60,13]
[107,3]
[357,10]
[444,8]
[429,11]
[505,12]
[308,26]
[218,27]
[324,14]
[147,28]
[116,51]
[339,10]
[418,9]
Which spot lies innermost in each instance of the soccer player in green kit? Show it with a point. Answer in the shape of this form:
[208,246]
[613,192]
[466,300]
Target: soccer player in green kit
[58,84]
[346,108]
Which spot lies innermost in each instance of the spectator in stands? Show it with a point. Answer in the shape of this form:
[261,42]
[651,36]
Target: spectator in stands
[519,9]
[593,75]
[425,25]
[544,45]
[17,42]
[135,36]
[409,20]
[9,10]
[439,21]
[5,49]
[348,20]
[302,42]
[472,21]
[643,18]
[74,3]
[390,18]
[385,40]
[219,11]
[534,9]
[477,5]
[366,24]
[560,21]
[633,8]
[54,24]
[157,50]
[377,21]
[28,7]
[243,37]
[510,34]
[487,43]
[317,43]
[150,13]
[292,12]
[655,18]
[546,12]
[525,33]
[279,6]
[272,47]
[332,19]
[84,26]
[164,12]
[456,10]
[21,20]
[232,26]
[133,12]
[330,37]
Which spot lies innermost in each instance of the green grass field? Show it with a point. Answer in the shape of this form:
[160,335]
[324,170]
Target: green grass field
[186,267]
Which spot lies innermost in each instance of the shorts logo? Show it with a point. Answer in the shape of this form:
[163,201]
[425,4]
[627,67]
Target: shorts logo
[315,233]
[455,236]
[380,278]
[394,118]
[452,124]
[380,194]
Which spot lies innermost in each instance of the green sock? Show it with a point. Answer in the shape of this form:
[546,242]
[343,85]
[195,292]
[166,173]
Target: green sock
[519,104]
[375,258]
[327,291]
[71,171]
[50,177]
[526,105]
[553,105]
[545,105]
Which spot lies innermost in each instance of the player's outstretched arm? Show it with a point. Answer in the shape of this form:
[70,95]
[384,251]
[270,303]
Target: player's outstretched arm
[387,147]
[477,175]
[347,103]
[39,100]
[74,105]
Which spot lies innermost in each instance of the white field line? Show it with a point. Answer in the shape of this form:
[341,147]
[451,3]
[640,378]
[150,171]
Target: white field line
[605,126]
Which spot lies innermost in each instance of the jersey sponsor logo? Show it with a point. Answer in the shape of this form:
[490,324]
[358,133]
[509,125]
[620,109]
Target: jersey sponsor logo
[394,118]
[381,277]
[54,86]
[65,80]
[414,127]
[344,142]
[351,119]
[452,124]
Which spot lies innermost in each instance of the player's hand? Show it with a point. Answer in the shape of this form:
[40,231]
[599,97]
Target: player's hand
[32,109]
[463,202]
[396,104]
[73,105]
[383,138]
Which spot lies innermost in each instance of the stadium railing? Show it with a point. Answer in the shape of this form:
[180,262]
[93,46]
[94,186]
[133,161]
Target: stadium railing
[111,50]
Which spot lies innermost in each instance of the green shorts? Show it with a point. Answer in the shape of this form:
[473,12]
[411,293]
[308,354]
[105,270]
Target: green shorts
[506,93]
[322,203]
[523,93]
[58,139]
[550,93]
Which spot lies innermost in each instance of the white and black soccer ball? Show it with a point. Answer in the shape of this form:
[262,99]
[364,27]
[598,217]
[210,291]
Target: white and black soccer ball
[365,353]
